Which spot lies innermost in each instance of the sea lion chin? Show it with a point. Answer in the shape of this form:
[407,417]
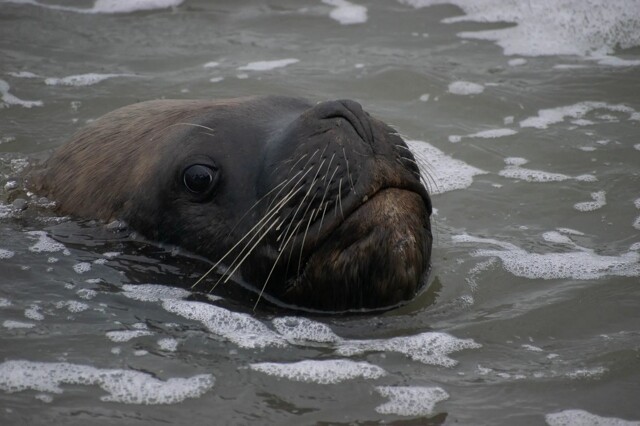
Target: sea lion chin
[319,206]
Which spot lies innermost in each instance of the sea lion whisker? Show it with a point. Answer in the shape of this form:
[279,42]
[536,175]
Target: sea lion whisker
[275,263]
[340,197]
[304,238]
[229,275]
[284,182]
[322,218]
[193,125]
[329,165]
[348,171]
[313,182]
[259,224]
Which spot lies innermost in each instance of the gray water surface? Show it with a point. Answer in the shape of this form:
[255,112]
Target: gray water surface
[533,304]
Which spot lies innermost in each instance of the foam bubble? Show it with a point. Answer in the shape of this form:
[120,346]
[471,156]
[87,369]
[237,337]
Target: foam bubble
[587,373]
[241,329]
[303,329]
[109,6]
[424,97]
[153,292]
[599,201]
[429,348]
[86,293]
[465,88]
[211,64]
[582,418]
[126,386]
[126,335]
[6,254]
[73,306]
[267,65]
[517,62]
[410,400]
[485,134]
[168,344]
[532,348]
[4,302]
[347,13]
[637,146]
[33,313]
[44,244]
[568,27]
[322,372]
[82,267]
[582,263]
[17,324]
[514,171]
[448,173]
[111,254]
[216,79]
[81,79]
[578,110]
[9,99]
[23,74]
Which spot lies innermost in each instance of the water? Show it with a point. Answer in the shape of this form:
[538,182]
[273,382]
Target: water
[530,129]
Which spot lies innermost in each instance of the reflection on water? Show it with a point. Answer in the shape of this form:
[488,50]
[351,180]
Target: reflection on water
[525,119]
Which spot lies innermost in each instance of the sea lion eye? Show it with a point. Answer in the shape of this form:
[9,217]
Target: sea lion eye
[199,178]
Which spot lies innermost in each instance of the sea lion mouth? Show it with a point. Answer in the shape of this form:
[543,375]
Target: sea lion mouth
[374,258]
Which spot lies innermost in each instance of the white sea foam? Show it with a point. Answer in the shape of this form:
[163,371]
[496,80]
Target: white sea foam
[125,386]
[581,263]
[584,418]
[33,313]
[267,65]
[108,6]
[303,329]
[517,62]
[485,134]
[347,13]
[23,74]
[216,79]
[465,88]
[578,110]
[211,64]
[241,329]
[11,324]
[6,254]
[81,79]
[72,306]
[153,292]
[447,172]
[86,293]
[587,373]
[168,344]
[320,371]
[532,348]
[513,170]
[410,400]
[553,27]
[430,348]
[4,302]
[599,201]
[126,335]
[44,244]
[82,267]
[9,99]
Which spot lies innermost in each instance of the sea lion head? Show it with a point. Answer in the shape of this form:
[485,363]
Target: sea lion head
[320,206]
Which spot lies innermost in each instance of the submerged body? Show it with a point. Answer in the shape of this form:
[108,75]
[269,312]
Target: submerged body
[320,206]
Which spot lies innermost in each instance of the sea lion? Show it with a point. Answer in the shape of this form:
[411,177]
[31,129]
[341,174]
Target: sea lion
[320,206]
